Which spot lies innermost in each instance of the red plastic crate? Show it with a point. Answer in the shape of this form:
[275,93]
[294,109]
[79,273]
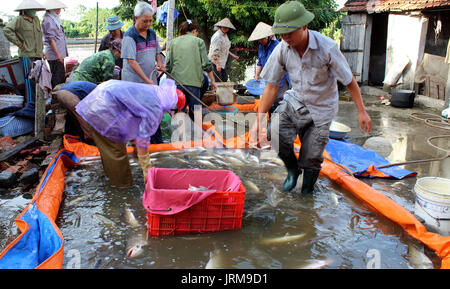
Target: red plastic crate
[220,211]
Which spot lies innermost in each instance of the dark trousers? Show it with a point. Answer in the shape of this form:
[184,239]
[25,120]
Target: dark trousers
[190,100]
[223,74]
[30,88]
[58,72]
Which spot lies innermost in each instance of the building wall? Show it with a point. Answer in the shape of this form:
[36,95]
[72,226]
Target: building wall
[406,36]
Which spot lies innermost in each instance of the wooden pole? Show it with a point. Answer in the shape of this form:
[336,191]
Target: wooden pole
[96,31]
[170,17]
[39,112]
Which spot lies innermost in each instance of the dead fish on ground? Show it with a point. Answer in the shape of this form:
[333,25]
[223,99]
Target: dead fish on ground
[251,185]
[279,240]
[253,159]
[130,218]
[317,264]
[418,259]
[201,188]
[215,260]
[136,249]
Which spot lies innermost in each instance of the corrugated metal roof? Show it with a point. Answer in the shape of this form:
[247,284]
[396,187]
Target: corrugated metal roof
[392,5]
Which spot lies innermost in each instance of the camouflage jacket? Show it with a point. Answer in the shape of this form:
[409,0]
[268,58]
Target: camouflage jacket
[97,68]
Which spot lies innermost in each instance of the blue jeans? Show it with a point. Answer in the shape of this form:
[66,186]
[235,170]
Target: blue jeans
[190,100]
[30,89]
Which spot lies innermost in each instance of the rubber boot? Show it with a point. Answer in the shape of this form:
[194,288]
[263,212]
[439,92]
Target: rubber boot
[291,180]
[309,179]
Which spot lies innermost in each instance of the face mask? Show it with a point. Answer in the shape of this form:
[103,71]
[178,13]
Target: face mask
[30,13]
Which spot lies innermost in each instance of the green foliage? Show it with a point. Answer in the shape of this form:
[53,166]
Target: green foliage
[244,14]
[87,25]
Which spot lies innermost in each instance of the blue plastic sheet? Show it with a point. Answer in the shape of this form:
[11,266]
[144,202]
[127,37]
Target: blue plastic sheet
[162,12]
[359,159]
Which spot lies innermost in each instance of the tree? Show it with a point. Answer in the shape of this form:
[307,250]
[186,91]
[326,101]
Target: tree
[244,14]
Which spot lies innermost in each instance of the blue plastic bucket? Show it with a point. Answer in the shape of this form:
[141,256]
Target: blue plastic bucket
[256,87]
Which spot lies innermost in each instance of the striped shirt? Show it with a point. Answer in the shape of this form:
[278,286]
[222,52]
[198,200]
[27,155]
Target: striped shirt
[143,50]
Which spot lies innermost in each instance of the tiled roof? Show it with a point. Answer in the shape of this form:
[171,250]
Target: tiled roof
[392,5]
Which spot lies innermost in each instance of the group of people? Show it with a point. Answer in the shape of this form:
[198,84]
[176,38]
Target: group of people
[301,73]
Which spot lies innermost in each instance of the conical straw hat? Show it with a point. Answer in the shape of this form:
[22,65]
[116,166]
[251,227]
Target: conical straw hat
[262,30]
[225,22]
[54,4]
[29,4]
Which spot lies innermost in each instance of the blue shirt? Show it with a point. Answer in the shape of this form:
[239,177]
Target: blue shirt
[264,53]
[143,50]
[80,88]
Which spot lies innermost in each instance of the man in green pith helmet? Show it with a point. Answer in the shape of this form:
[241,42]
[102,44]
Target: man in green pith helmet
[314,64]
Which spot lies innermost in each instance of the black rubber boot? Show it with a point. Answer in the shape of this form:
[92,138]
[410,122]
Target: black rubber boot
[291,180]
[309,179]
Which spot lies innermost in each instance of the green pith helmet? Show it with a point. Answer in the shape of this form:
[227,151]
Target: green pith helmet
[291,16]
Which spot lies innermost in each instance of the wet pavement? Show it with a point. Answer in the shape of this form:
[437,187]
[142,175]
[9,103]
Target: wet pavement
[331,225]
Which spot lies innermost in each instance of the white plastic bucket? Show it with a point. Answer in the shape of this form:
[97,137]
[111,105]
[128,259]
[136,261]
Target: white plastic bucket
[433,203]
[224,93]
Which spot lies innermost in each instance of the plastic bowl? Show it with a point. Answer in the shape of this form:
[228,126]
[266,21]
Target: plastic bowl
[338,130]
[256,87]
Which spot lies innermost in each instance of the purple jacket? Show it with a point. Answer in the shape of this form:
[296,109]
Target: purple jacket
[53,31]
[122,111]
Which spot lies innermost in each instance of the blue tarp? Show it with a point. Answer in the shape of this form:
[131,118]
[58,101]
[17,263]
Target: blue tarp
[41,240]
[357,159]
[162,13]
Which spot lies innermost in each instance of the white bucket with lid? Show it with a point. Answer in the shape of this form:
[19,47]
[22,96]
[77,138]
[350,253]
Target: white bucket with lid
[433,203]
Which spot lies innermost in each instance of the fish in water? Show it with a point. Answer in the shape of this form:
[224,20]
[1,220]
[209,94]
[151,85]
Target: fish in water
[280,240]
[79,199]
[274,177]
[317,264]
[206,163]
[274,196]
[235,161]
[215,260]
[262,207]
[418,259]
[136,249]
[201,188]
[130,218]
[104,220]
[251,185]
[253,159]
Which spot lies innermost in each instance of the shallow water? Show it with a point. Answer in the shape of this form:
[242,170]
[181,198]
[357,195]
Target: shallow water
[337,227]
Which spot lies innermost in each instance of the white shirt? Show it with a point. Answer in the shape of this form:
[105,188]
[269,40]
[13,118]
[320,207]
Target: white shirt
[219,48]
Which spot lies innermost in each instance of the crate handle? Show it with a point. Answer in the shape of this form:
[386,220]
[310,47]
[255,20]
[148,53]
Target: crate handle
[168,210]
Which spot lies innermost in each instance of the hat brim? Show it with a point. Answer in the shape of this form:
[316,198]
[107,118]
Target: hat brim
[114,27]
[293,25]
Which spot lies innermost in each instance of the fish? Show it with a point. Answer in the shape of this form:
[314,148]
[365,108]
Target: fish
[235,161]
[215,260]
[130,218]
[206,163]
[206,158]
[277,161]
[105,220]
[317,264]
[280,240]
[248,184]
[262,207]
[418,259]
[273,177]
[220,162]
[274,197]
[253,159]
[79,199]
[201,188]
[318,238]
[137,249]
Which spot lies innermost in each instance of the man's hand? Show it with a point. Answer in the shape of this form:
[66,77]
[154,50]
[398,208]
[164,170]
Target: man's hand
[364,121]
[214,86]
